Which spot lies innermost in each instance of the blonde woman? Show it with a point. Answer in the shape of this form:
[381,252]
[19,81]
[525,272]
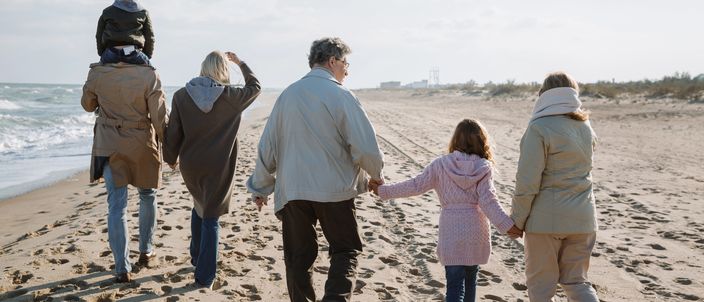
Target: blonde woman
[202,137]
[553,201]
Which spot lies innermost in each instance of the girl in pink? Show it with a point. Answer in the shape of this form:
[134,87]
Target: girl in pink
[464,184]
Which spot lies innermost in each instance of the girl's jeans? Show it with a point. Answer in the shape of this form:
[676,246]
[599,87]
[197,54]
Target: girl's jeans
[461,283]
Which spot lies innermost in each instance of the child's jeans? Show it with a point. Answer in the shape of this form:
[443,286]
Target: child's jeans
[461,283]
[115,55]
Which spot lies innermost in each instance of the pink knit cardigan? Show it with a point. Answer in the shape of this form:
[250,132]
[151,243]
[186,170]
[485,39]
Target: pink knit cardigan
[465,187]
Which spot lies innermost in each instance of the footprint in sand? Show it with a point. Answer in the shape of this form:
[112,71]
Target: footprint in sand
[390,260]
[359,284]
[275,277]
[688,296]
[366,273]
[656,246]
[21,277]
[58,261]
[519,286]
[494,298]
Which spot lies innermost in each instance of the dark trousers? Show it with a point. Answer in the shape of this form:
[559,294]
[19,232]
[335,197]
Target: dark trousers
[115,55]
[339,225]
[461,283]
[204,247]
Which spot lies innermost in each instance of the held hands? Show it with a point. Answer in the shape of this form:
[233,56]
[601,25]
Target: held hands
[374,185]
[174,166]
[233,57]
[515,232]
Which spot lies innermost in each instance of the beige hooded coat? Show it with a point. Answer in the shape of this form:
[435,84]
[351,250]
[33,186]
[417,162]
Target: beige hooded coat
[131,119]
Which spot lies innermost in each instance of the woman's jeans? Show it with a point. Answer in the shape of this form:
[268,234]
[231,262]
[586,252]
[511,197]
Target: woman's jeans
[117,221]
[461,283]
[204,247]
[115,55]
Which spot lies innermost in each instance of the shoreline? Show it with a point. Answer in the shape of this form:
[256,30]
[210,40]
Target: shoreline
[57,177]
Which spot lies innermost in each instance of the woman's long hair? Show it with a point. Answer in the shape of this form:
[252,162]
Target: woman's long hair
[561,79]
[470,137]
[215,67]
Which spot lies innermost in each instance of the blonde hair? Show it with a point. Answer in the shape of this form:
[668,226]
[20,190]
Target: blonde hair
[561,79]
[470,137]
[215,67]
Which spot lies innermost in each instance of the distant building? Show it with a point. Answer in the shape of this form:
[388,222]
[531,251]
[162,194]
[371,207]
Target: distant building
[417,84]
[390,85]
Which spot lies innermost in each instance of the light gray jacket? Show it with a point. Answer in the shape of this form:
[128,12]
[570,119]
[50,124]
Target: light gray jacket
[315,145]
[554,182]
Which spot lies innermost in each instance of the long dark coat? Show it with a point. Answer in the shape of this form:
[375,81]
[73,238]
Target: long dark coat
[206,143]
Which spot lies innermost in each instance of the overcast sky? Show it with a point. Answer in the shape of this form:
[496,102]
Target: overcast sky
[52,41]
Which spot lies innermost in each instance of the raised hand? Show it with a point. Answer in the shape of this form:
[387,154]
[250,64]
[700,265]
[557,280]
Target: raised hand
[233,57]
[515,232]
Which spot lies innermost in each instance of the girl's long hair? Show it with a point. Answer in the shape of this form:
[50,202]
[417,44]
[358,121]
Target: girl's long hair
[470,137]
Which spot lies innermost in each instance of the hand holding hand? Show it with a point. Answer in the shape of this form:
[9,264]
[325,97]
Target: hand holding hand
[260,201]
[515,232]
[233,57]
[374,185]
[174,166]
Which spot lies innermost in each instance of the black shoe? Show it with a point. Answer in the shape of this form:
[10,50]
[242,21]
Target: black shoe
[147,260]
[123,278]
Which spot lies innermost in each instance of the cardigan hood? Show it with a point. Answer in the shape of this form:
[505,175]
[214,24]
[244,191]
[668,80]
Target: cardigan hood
[465,170]
[204,91]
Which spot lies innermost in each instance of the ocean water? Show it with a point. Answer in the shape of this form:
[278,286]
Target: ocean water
[45,135]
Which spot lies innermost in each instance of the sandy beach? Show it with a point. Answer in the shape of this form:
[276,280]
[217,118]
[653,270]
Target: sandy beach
[648,181]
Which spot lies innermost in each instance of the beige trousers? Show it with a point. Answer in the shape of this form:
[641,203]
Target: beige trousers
[559,258]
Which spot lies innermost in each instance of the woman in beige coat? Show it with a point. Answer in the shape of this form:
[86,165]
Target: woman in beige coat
[130,121]
[553,200]
[202,133]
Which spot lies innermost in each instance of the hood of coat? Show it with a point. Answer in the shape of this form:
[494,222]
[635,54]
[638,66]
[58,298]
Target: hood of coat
[465,170]
[556,101]
[131,6]
[204,91]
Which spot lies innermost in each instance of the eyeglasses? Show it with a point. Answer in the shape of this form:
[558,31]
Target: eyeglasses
[347,64]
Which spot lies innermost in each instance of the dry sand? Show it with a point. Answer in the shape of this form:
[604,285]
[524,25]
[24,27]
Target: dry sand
[649,185]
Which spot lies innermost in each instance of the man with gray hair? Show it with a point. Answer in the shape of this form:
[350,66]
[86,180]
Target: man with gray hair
[314,147]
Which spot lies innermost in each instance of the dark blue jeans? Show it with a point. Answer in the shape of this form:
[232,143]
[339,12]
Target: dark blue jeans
[204,247]
[461,283]
[114,55]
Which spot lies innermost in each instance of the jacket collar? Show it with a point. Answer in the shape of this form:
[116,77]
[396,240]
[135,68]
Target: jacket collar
[324,73]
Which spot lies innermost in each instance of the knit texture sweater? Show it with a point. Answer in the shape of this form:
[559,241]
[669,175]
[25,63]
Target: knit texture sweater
[467,196]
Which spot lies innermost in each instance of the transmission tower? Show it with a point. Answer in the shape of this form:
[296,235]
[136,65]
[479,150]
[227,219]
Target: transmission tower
[434,77]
